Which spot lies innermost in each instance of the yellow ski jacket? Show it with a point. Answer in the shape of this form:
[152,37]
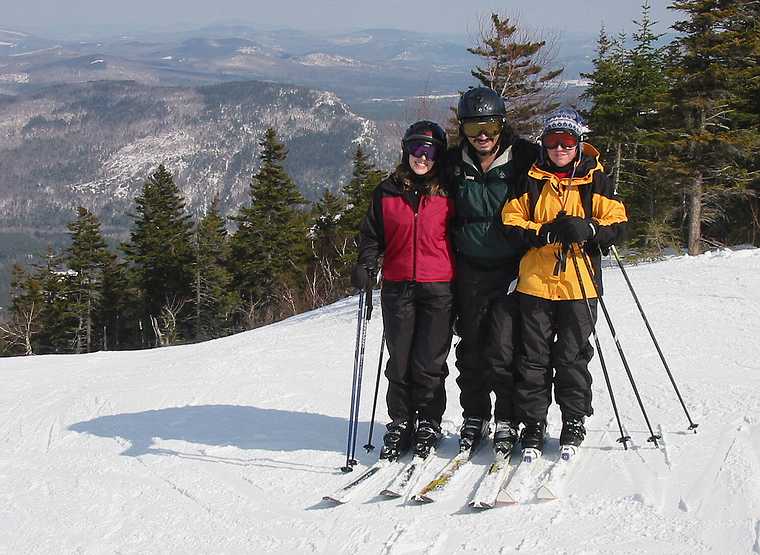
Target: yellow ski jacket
[547,270]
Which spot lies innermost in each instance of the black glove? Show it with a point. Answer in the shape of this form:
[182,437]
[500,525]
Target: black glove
[549,232]
[574,229]
[361,276]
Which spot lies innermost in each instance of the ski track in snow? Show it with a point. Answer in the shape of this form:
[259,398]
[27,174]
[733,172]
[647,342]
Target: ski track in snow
[228,446]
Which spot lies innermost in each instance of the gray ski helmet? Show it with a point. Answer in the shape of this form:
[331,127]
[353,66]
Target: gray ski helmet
[481,102]
[565,119]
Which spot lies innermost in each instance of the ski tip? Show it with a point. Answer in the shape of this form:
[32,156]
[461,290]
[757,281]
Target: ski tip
[506,498]
[390,493]
[545,494]
[333,500]
[421,499]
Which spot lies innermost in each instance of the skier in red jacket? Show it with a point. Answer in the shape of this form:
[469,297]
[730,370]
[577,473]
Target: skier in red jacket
[407,224]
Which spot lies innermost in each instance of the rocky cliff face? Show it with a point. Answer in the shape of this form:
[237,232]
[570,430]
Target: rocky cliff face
[93,144]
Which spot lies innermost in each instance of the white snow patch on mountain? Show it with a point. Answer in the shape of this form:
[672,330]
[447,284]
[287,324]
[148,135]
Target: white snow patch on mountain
[14,77]
[136,160]
[327,60]
[229,445]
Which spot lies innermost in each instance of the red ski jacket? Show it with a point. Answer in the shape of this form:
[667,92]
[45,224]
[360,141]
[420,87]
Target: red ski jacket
[410,229]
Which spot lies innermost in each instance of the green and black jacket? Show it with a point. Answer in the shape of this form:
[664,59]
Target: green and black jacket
[478,233]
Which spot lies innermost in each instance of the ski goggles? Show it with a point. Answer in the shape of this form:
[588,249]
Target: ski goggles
[566,141]
[420,148]
[489,128]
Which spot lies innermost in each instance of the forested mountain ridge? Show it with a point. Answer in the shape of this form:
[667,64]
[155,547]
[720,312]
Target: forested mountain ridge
[93,144]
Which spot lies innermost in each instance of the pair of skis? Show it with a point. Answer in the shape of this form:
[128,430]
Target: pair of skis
[502,486]
[504,482]
[405,478]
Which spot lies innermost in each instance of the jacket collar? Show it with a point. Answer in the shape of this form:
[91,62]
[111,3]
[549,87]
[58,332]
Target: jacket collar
[502,159]
[585,168]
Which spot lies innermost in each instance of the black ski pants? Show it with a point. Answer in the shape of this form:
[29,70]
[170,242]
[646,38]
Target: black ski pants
[487,324]
[418,321]
[556,351]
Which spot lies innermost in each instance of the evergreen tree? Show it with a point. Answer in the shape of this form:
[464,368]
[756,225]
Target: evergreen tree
[329,248]
[120,314]
[649,197]
[86,257]
[626,90]
[269,242]
[160,251]
[214,301]
[515,68]
[358,193]
[710,136]
[58,319]
[606,91]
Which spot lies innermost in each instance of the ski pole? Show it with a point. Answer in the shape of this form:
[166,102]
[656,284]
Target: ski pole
[692,425]
[359,332]
[368,316]
[624,439]
[369,447]
[653,437]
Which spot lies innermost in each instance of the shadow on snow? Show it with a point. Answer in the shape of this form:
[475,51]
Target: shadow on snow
[243,427]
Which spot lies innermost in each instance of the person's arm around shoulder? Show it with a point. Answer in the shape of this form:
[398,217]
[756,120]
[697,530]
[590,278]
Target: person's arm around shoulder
[524,154]
[516,217]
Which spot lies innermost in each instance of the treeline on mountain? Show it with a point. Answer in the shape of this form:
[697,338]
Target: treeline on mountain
[678,126]
[178,280]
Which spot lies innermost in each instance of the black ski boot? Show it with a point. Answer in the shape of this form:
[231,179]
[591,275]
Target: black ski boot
[426,437]
[573,432]
[396,440]
[532,436]
[504,437]
[473,430]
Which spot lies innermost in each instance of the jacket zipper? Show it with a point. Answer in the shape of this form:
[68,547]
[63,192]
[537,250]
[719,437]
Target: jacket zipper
[414,241]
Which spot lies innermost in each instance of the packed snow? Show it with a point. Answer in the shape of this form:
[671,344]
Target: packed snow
[228,446]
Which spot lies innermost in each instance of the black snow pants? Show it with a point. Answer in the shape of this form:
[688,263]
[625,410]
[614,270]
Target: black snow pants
[488,326]
[556,350]
[418,321]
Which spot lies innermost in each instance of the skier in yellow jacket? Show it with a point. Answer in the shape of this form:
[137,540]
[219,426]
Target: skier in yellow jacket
[564,207]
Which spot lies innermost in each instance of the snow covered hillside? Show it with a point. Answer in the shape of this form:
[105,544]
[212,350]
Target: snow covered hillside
[228,446]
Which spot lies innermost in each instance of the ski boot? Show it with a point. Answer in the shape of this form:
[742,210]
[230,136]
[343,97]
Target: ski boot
[396,440]
[473,429]
[505,436]
[532,439]
[573,433]
[426,437]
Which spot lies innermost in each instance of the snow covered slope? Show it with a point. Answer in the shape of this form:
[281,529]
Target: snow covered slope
[229,445]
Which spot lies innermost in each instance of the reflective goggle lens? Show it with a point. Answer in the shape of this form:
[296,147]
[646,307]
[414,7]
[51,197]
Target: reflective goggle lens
[475,128]
[418,149]
[565,140]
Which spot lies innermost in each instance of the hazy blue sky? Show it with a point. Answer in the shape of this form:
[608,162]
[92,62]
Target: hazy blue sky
[457,16]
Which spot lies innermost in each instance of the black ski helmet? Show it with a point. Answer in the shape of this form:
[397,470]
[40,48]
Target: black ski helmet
[424,130]
[481,102]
